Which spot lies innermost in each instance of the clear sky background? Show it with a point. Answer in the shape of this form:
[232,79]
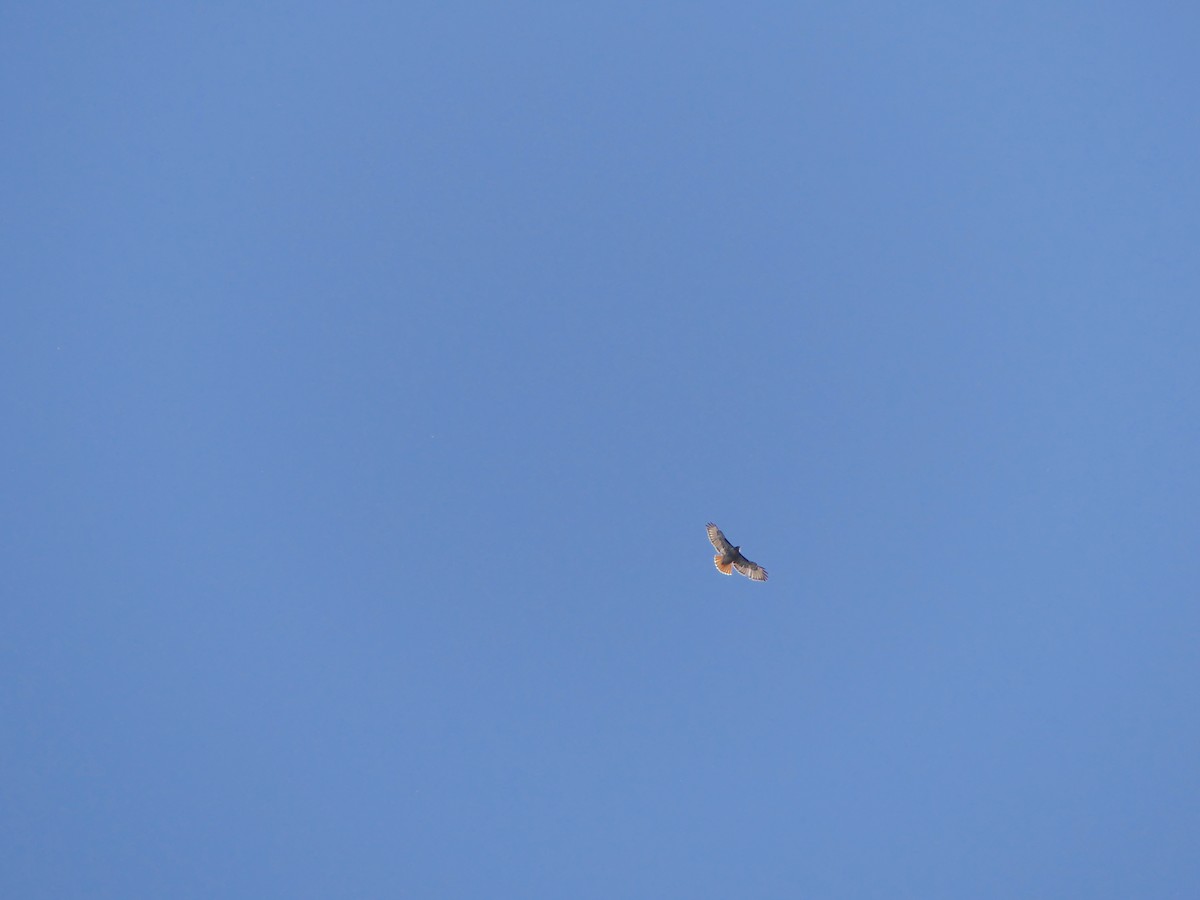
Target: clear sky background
[371,370]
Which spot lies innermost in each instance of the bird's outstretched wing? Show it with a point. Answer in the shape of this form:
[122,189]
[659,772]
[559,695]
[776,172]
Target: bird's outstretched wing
[718,540]
[751,570]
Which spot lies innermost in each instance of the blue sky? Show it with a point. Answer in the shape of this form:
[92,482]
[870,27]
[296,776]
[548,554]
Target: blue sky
[372,370]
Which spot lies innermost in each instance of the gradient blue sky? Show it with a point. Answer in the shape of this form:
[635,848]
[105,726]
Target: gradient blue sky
[371,370]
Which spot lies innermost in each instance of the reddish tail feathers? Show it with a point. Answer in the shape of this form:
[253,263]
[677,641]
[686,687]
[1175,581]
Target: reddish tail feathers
[726,569]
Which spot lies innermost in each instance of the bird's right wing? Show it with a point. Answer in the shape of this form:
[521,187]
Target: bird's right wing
[718,539]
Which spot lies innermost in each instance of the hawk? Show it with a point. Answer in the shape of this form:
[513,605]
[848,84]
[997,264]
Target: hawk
[730,557]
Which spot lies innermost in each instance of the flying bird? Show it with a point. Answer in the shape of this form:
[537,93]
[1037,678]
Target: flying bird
[730,557]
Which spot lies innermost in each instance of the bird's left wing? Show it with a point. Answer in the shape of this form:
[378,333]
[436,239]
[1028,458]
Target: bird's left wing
[751,570]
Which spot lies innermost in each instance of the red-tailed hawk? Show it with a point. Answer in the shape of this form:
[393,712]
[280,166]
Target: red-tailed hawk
[730,557]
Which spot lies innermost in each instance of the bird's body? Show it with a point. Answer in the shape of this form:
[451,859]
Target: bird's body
[730,557]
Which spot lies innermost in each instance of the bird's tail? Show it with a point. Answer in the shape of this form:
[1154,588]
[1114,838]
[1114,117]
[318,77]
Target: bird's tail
[726,569]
